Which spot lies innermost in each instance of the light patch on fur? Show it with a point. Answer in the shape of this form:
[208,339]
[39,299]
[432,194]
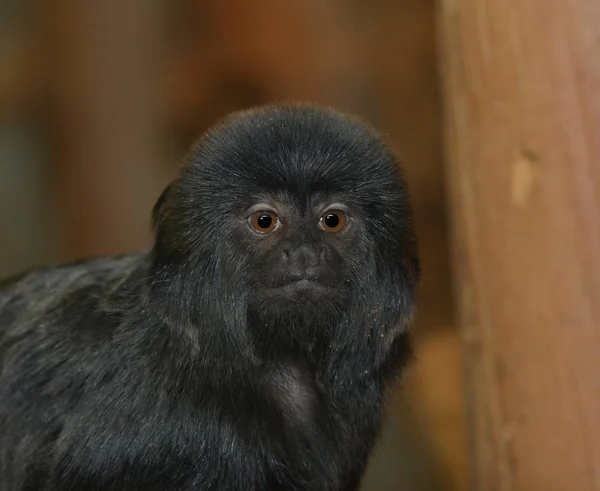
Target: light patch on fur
[400,327]
[294,390]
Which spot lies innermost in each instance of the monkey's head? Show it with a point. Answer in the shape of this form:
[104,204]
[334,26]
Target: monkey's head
[296,216]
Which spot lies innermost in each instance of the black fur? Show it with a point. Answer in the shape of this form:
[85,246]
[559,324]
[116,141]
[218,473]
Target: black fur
[174,370]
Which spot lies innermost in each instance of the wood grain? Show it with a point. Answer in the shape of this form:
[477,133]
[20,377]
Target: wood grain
[522,91]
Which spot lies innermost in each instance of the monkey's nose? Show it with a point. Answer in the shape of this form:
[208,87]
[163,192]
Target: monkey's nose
[303,256]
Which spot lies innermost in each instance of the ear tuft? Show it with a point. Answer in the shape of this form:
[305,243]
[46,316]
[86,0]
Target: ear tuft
[161,208]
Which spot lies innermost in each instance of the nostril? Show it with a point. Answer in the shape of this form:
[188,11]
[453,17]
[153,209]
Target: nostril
[322,252]
[304,256]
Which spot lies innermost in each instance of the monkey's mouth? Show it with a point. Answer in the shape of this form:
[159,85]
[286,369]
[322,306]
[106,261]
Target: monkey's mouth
[300,287]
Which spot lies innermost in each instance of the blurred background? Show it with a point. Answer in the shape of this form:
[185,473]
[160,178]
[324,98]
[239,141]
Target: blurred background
[99,101]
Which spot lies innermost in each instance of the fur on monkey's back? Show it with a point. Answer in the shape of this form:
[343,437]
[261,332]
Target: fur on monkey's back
[81,395]
[63,370]
[40,297]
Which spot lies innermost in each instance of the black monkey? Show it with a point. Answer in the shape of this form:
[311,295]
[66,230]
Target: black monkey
[249,349]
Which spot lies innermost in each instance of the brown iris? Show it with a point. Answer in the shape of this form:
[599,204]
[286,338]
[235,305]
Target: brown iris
[333,221]
[263,221]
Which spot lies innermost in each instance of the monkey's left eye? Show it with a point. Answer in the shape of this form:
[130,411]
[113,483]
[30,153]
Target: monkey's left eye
[264,222]
[333,221]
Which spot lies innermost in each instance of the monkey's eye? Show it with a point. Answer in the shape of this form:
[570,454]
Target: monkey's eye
[264,222]
[333,221]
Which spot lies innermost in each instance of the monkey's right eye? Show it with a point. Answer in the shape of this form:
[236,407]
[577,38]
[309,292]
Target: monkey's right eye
[264,222]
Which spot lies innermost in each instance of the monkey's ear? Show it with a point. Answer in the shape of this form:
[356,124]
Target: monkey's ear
[161,208]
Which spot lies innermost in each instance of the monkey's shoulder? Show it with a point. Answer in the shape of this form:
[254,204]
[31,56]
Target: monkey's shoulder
[69,295]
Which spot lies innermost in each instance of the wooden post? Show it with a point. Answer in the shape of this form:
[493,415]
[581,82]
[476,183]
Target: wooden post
[522,91]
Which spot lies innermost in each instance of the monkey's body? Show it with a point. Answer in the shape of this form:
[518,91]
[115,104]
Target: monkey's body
[178,370]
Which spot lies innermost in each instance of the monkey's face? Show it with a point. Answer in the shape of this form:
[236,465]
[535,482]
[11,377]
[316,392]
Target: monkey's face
[298,211]
[300,251]
[309,259]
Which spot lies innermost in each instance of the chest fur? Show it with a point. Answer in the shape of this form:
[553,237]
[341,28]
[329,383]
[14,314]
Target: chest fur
[295,392]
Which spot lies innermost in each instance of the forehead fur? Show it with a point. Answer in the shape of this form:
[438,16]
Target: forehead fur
[294,149]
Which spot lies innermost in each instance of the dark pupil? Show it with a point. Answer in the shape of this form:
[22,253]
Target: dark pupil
[264,221]
[332,220]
